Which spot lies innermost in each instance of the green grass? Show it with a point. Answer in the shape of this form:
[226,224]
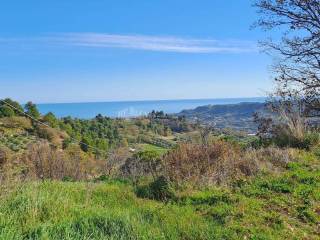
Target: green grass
[150,147]
[271,206]
[61,210]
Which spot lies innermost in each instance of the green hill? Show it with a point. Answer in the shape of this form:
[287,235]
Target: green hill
[160,177]
[235,116]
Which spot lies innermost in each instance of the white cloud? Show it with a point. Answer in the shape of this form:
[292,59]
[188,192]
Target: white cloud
[140,42]
[156,43]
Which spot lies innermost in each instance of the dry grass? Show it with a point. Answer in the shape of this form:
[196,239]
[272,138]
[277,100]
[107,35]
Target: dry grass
[221,162]
[16,122]
[43,161]
[270,158]
[54,136]
[194,164]
[202,164]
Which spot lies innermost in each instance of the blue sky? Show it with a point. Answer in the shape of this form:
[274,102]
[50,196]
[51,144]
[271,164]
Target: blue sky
[79,51]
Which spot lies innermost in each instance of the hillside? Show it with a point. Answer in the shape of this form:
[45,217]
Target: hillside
[111,125]
[235,116]
[270,206]
[156,177]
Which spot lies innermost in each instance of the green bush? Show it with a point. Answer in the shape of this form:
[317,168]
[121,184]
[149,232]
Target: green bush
[9,108]
[309,140]
[305,214]
[160,189]
[6,111]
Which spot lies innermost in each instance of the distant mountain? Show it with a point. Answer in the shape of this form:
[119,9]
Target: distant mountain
[236,116]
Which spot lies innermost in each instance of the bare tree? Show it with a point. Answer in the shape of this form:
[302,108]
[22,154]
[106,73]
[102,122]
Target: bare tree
[205,131]
[297,67]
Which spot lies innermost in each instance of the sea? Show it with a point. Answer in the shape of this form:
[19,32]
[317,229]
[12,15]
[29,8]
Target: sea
[127,109]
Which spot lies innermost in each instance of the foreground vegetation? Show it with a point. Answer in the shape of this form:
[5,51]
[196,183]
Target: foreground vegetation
[284,205]
[161,178]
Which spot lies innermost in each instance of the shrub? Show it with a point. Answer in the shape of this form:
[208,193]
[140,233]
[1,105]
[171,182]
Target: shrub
[160,189]
[221,162]
[51,120]
[6,111]
[144,163]
[306,215]
[52,135]
[287,139]
[151,160]
[269,158]
[16,122]
[311,139]
[9,111]
[287,125]
[42,161]
[4,155]
[202,164]
[32,110]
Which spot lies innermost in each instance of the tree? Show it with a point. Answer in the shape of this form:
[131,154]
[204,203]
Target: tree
[85,144]
[297,67]
[6,111]
[9,108]
[51,119]
[32,110]
[205,132]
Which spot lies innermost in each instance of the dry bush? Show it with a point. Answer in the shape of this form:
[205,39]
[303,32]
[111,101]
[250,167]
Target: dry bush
[287,123]
[82,165]
[202,164]
[9,175]
[221,162]
[270,158]
[115,160]
[4,155]
[142,164]
[296,124]
[43,161]
[54,136]
[16,122]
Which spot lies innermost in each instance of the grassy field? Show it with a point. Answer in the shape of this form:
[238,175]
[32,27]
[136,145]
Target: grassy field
[281,206]
[57,210]
[150,147]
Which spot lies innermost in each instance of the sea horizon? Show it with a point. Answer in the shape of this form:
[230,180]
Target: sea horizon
[135,108]
[142,100]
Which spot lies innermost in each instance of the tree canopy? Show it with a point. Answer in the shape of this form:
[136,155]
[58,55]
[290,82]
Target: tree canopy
[297,67]
[32,110]
[9,108]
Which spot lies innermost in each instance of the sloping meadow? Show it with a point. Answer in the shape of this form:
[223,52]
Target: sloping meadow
[278,205]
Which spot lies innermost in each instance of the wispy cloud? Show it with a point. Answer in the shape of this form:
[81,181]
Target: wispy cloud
[140,42]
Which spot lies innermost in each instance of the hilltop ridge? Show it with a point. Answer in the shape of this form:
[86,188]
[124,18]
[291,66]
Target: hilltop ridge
[235,116]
